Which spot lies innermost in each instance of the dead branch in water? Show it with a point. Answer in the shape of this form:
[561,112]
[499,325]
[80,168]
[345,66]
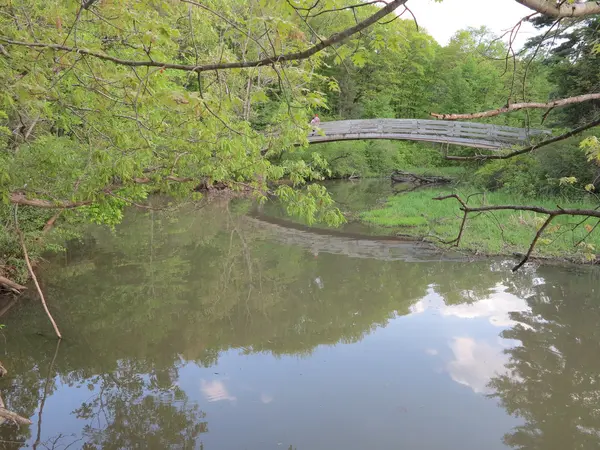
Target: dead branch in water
[408,177]
[32,273]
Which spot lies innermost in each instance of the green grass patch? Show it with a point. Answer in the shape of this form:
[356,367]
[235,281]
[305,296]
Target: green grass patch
[501,232]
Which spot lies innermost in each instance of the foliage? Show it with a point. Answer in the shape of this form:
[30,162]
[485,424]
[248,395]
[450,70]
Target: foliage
[572,63]
[88,132]
[76,128]
[543,173]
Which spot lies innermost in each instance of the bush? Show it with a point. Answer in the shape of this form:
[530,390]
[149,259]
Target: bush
[539,173]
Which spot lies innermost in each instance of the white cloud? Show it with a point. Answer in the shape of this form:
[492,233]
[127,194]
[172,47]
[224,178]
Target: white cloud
[215,391]
[442,20]
[266,398]
[496,307]
[475,363]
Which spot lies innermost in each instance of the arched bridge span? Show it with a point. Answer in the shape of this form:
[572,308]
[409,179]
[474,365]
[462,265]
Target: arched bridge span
[468,134]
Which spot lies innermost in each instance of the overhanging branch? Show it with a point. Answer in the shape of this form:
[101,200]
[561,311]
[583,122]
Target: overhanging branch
[296,56]
[562,9]
[518,106]
[550,213]
[531,148]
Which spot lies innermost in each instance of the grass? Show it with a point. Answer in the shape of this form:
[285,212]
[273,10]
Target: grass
[499,233]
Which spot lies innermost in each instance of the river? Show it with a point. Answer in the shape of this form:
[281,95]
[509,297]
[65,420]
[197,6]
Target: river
[208,327]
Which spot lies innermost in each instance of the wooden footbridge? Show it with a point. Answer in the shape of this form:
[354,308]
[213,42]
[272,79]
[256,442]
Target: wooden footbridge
[468,134]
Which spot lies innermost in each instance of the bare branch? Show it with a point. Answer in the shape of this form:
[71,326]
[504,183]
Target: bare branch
[580,241]
[518,106]
[562,9]
[539,232]
[550,213]
[87,4]
[531,148]
[343,8]
[296,56]
[19,198]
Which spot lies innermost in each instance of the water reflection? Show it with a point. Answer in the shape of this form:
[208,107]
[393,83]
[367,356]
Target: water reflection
[183,326]
[475,362]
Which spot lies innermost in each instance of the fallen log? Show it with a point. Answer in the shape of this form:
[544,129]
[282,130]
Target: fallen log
[407,177]
[11,285]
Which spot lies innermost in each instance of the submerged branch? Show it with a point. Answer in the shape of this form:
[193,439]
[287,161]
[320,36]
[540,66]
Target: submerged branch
[35,280]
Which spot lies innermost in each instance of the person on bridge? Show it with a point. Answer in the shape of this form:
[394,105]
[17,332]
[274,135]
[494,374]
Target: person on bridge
[315,122]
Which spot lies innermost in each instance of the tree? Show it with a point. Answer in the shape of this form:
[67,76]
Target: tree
[104,103]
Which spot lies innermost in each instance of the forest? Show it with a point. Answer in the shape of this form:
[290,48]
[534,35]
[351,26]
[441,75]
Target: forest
[106,102]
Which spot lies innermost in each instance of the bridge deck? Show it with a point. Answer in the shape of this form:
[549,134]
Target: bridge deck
[468,134]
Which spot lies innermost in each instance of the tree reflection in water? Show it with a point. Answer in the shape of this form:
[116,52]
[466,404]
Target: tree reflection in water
[553,379]
[170,288]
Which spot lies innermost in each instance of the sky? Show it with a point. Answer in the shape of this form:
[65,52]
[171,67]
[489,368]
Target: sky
[442,20]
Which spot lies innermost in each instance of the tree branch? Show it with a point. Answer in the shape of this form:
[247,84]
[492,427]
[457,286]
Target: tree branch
[11,285]
[352,7]
[32,273]
[562,9]
[518,106]
[551,213]
[19,198]
[539,232]
[296,56]
[531,148]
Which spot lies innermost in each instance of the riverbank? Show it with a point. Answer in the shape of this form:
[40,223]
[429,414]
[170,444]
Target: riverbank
[504,233]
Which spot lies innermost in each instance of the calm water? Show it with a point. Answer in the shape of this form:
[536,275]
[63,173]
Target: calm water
[206,328]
